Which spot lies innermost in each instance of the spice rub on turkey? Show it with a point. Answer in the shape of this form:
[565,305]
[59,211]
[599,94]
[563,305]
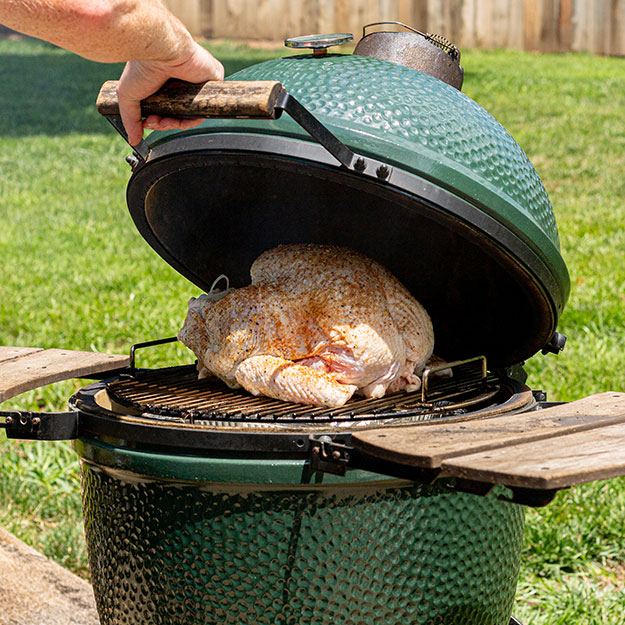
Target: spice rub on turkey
[317,324]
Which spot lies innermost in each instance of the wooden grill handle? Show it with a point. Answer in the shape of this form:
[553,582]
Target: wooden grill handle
[216,98]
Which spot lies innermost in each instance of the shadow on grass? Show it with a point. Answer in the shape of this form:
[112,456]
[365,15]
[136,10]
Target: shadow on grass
[51,94]
[54,93]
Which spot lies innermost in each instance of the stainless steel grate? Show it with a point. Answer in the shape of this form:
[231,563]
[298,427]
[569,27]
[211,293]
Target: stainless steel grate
[176,393]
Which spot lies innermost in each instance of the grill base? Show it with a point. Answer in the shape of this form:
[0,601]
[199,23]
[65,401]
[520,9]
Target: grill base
[342,552]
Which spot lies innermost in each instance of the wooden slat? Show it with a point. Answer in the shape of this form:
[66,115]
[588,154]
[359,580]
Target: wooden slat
[388,10]
[453,27]
[229,19]
[469,24]
[595,454]
[271,19]
[420,16]
[342,11]
[484,23]
[515,25]
[543,25]
[294,12]
[309,23]
[581,20]
[188,12]
[362,12]
[500,25]
[41,367]
[435,17]
[428,445]
[207,23]
[445,18]
[617,27]
[565,24]
[599,35]
[405,12]
[550,26]
[325,16]
[11,353]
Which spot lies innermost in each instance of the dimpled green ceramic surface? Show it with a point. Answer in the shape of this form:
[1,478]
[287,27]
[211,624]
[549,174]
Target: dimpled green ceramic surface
[398,110]
[350,552]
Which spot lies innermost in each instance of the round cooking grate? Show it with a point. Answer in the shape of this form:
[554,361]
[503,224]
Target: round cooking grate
[176,394]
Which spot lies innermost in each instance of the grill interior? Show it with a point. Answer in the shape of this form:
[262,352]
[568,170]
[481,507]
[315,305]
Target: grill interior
[175,394]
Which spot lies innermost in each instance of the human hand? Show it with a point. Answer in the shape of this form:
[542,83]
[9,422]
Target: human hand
[142,78]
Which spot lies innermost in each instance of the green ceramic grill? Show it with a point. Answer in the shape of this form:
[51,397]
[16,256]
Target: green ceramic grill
[205,505]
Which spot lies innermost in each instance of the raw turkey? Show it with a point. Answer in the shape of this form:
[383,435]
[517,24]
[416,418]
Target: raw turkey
[317,325]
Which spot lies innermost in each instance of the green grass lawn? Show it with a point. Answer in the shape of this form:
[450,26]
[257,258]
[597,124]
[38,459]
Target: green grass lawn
[76,274]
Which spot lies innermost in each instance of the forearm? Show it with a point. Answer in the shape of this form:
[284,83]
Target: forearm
[102,30]
[143,32]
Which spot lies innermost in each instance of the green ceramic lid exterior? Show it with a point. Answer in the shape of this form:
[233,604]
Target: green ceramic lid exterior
[414,119]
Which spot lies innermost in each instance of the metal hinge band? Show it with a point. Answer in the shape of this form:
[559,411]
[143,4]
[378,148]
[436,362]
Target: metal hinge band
[47,426]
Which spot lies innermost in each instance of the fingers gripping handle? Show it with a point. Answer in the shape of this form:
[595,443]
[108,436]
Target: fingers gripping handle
[245,99]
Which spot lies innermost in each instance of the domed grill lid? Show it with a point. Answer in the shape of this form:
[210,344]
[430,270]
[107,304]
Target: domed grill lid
[209,202]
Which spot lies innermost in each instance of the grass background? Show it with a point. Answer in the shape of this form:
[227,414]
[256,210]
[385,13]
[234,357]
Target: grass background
[76,274]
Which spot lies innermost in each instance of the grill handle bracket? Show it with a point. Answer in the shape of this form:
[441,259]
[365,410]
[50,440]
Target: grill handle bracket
[140,151]
[262,99]
[329,456]
[35,426]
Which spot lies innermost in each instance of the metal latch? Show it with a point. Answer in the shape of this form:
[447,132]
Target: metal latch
[35,426]
[328,456]
[555,344]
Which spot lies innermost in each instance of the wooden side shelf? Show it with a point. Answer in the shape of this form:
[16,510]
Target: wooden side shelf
[25,368]
[546,449]
[552,463]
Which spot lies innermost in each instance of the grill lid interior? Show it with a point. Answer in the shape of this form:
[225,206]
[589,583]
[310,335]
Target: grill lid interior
[213,211]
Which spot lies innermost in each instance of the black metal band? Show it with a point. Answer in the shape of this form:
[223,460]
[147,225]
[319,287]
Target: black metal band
[46,426]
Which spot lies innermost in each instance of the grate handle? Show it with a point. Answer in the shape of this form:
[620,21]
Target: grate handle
[133,350]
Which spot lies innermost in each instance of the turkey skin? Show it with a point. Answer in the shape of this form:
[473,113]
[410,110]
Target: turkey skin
[316,325]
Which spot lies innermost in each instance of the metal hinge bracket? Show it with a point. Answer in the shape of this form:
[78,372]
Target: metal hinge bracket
[36,426]
[344,155]
[328,456]
[139,152]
